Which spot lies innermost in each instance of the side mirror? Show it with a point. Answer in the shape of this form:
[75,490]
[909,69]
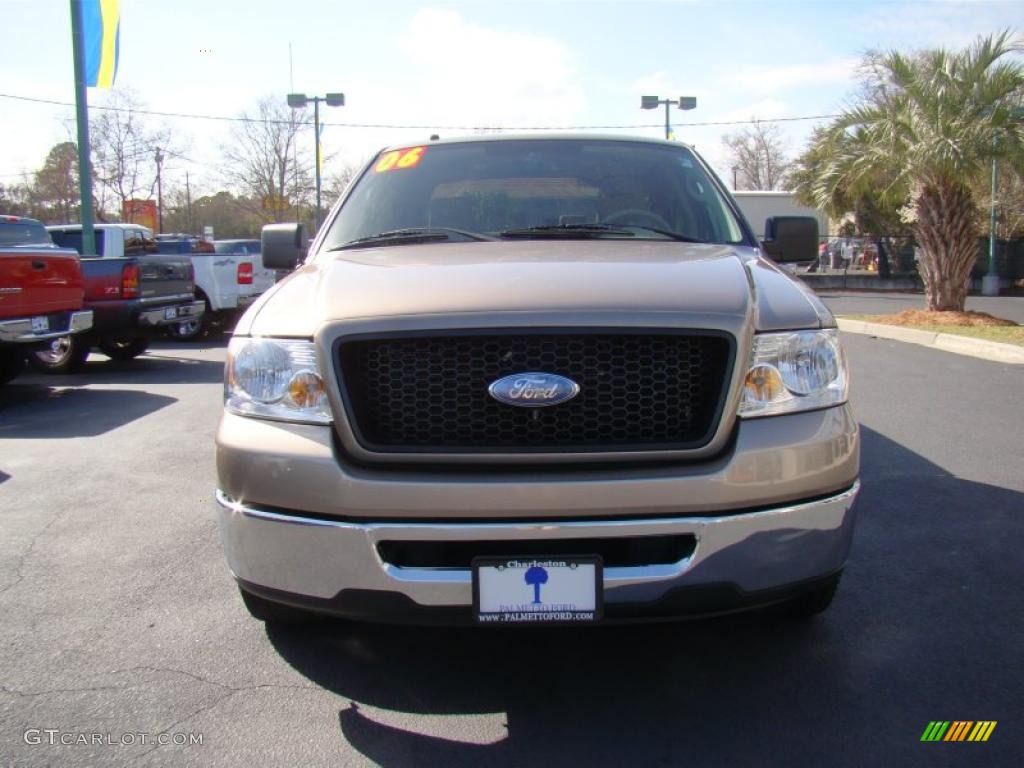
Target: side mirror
[282,245]
[791,238]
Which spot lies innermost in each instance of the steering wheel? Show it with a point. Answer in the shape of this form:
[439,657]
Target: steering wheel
[629,216]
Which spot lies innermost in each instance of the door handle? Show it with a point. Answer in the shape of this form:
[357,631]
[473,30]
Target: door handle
[38,265]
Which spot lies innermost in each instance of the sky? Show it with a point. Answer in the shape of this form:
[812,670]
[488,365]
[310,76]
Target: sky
[453,68]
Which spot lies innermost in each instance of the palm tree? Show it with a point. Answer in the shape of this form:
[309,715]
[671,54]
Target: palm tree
[535,576]
[875,199]
[930,124]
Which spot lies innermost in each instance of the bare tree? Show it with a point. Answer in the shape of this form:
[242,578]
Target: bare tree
[261,163]
[124,150]
[336,183]
[757,156]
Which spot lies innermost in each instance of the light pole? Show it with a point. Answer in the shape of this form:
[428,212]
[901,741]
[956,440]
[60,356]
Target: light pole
[159,157]
[300,100]
[990,282]
[653,102]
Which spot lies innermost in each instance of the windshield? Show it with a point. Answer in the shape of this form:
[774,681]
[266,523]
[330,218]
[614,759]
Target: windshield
[578,187]
[23,233]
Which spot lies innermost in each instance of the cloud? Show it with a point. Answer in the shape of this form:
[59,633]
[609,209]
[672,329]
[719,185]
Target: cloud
[948,25]
[763,109]
[482,75]
[774,79]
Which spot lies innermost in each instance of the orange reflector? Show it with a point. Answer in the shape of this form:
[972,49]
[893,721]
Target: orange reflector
[764,384]
[305,389]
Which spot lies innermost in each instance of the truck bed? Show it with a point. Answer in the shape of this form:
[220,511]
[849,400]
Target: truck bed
[162,277]
[39,281]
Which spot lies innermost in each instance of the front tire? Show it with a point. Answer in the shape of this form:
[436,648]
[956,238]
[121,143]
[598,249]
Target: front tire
[124,349]
[11,361]
[270,612]
[66,354]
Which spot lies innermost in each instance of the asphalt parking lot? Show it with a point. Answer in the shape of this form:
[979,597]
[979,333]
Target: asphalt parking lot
[119,615]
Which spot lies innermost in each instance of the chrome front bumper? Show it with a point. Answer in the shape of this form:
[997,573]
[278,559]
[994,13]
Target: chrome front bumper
[173,314]
[752,551]
[20,331]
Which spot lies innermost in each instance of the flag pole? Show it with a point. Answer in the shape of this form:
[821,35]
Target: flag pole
[82,113]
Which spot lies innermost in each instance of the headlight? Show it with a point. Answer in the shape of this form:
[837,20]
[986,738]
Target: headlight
[795,371]
[275,379]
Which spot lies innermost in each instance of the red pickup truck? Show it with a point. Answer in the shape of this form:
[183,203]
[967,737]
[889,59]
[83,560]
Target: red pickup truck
[41,292]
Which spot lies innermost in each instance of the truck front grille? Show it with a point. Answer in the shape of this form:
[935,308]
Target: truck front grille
[649,390]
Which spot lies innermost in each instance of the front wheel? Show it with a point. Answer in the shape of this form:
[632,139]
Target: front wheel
[62,355]
[124,349]
[10,363]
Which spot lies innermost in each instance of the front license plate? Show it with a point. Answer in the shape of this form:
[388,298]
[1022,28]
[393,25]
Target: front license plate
[541,590]
[170,313]
[40,324]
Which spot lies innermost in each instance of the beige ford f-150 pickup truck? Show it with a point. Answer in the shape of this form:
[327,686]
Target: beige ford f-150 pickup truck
[536,380]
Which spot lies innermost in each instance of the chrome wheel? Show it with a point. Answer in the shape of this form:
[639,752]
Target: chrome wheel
[61,355]
[56,352]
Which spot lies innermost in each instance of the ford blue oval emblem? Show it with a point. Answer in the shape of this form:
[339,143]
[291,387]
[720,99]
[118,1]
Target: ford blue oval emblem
[533,390]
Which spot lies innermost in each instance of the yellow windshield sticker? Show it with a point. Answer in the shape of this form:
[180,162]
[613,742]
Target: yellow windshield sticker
[399,158]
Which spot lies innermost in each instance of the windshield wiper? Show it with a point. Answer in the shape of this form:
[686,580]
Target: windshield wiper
[410,235]
[668,233]
[567,230]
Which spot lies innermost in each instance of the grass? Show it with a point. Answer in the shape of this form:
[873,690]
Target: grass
[1006,334]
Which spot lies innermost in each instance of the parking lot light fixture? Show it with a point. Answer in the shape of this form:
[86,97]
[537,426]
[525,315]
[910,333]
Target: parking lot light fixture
[653,102]
[301,100]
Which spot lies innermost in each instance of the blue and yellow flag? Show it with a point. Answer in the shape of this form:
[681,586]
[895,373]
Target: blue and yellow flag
[101,30]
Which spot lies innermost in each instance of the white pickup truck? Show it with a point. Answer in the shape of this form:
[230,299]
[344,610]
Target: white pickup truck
[262,278]
[228,280]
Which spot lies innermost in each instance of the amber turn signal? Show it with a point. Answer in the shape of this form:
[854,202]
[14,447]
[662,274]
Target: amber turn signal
[764,384]
[306,389]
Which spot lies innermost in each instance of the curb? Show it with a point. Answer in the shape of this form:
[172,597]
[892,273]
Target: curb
[948,342]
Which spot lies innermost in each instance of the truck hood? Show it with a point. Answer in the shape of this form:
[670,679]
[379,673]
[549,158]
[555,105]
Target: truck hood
[532,276]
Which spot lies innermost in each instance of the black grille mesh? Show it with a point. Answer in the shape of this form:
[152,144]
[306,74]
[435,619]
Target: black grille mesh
[649,391]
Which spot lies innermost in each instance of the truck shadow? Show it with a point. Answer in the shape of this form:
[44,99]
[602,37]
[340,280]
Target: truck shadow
[145,369]
[29,410]
[924,622]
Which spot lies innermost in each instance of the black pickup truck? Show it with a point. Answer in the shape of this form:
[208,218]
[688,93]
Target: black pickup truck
[132,295]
